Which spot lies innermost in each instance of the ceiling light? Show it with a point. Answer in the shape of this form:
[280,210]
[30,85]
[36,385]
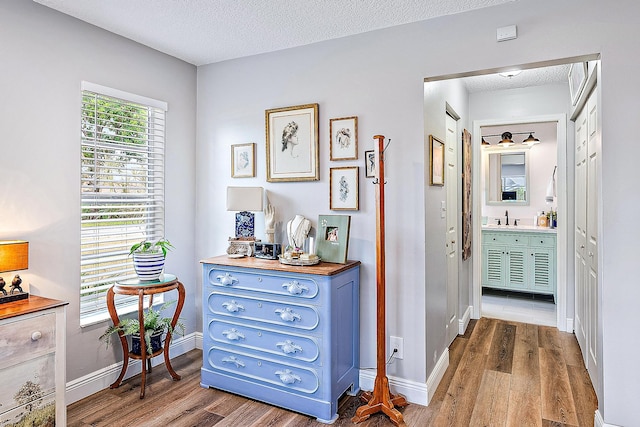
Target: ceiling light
[511,73]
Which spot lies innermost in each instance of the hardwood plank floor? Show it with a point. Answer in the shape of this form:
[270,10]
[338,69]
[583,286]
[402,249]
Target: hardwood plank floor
[500,373]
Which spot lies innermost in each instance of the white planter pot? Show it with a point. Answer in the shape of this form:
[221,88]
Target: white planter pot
[148,266]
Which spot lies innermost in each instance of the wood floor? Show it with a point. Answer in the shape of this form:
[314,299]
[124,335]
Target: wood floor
[500,373]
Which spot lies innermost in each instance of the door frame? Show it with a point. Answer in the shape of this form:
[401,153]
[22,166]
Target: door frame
[565,217]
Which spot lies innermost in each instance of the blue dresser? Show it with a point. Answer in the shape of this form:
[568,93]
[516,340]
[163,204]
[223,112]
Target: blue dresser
[281,334]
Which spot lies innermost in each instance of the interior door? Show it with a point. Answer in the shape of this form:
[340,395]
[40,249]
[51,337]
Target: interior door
[593,149]
[581,232]
[451,188]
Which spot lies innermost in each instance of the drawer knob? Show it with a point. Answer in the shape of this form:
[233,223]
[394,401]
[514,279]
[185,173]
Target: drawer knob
[227,279]
[233,334]
[232,359]
[288,377]
[289,347]
[295,288]
[232,306]
[287,314]
[35,336]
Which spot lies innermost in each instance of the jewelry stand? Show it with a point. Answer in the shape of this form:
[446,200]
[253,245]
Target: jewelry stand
[380,399]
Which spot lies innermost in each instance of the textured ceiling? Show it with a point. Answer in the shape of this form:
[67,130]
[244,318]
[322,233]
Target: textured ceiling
[530,77]
[206,31]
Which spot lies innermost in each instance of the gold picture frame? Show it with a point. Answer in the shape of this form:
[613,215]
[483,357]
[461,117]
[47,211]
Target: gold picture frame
[292,143]
[343,142]
[436,161]
[343,189]
[243,160]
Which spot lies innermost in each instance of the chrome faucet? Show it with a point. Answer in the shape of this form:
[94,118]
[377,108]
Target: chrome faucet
[506,213]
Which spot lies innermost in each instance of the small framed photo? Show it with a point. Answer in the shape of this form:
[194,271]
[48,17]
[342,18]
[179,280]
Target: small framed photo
[370,164]
[332,238]
[436,161]
[577,80]
[343,188]
[344,138]
[292,143]
[243,160]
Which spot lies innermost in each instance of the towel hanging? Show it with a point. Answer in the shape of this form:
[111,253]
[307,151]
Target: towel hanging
[551,188]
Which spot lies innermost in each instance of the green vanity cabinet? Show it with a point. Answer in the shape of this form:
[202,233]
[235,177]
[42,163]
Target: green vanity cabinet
[519,260]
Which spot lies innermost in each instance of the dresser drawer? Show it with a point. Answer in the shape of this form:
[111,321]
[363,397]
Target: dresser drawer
[273,312]
[39,371]
[25,338]
[294,378]
[505,238]
[288,345]
[265,282]
[543,241]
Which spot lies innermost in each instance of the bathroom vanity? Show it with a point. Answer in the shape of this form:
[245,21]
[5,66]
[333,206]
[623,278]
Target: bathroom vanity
[519,259]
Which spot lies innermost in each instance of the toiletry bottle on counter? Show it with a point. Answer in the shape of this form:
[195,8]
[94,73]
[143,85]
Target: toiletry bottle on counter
[543,220]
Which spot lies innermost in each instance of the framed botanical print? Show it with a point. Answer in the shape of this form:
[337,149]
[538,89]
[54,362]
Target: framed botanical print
[344,138]
[436,161]
[343,188]
[292,143]
[243,160]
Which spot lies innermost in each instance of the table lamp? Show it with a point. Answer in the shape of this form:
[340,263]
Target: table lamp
[244,201]
[14,256]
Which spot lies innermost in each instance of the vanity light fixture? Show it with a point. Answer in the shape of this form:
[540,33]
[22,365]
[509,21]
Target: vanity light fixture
[531,140]
[507,140]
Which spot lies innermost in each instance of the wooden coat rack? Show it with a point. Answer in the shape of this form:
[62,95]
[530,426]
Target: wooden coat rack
[380,399]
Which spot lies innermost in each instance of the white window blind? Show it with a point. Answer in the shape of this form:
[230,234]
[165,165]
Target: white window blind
[122,186]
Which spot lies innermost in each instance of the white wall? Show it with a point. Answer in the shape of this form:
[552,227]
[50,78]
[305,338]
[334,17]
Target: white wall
[378,76]
[44,55]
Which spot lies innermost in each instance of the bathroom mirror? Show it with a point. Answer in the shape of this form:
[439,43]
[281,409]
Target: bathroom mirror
[508,178]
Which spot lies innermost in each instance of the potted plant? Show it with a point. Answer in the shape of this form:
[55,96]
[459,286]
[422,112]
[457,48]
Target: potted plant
[154,327]
[148,258]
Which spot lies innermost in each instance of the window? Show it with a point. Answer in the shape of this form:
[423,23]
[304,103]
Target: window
[122,190]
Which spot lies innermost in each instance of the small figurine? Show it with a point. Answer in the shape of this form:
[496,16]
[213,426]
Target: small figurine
[2,284]
[15,283]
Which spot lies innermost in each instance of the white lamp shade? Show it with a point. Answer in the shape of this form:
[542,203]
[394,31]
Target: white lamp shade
[245,199]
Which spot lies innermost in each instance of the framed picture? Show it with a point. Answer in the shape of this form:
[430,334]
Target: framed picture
[344,138]
[370,164]
[292,143]
[577,80]
[343,188]
[332,238]
[243,160]
[466,194]
[436,161]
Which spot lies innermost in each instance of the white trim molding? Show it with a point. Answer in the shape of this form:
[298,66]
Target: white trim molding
[101,379]
[463,322]
[598,421]
[414,392]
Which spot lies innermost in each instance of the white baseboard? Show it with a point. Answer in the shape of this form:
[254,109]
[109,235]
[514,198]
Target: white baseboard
[598,421]
[413,391]
[569,325]
[464,321]
[99,380]
[437,374]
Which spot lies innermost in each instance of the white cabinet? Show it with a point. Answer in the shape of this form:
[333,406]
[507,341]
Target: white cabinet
[33,368]
[519,261]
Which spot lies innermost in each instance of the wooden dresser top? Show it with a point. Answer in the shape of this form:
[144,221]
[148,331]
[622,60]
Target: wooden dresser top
[30,305]
[322,268]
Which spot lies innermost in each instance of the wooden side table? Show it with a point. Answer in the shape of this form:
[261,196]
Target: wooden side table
[167,282]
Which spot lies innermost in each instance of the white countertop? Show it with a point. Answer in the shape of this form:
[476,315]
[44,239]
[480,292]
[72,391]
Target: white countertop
[516,228]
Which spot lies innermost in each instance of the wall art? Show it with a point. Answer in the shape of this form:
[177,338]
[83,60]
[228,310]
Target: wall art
[343,193]
[436,161]
[292,143]
[243,160]
[344,138]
